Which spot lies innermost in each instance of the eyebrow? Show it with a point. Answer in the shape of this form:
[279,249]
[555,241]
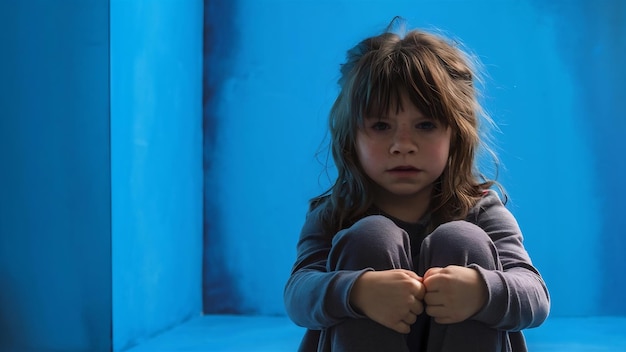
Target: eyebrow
[377,117]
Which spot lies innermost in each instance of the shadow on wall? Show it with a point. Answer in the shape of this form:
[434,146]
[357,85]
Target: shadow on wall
[220,39]
[596,32]
[11,321]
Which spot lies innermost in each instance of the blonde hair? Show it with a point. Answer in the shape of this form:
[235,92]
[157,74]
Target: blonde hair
[440,81]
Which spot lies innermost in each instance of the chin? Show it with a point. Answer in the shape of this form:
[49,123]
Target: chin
[402,190]
[406,192]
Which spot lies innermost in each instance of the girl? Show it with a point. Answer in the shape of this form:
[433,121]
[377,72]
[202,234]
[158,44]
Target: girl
[410,250]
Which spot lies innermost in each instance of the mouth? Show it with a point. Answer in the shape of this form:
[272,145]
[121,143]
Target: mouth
[404,168]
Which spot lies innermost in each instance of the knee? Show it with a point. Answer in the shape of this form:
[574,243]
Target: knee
[374,241]
[459,243]
[457,234]
[375,231]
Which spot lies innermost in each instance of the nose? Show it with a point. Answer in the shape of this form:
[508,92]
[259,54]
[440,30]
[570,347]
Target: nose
[403,142]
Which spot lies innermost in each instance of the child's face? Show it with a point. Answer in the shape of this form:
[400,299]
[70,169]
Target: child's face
[403,153]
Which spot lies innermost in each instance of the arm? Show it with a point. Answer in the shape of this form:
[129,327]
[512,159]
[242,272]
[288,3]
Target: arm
[318,296]
[315,298]
[517,296]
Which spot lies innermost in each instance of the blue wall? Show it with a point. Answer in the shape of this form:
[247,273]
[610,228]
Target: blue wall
[101,133]
[55,218]
[591,42]
[554,84]
[101,140]
[156,164]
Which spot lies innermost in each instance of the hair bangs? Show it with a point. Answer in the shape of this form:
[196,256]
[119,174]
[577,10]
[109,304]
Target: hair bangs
[384,96]
[425,84]
[392,75]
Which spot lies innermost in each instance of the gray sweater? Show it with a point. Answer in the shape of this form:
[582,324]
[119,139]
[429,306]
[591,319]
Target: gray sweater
[517,295]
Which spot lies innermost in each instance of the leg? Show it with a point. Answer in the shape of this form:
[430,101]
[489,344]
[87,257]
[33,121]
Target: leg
[460,243]
[373,242]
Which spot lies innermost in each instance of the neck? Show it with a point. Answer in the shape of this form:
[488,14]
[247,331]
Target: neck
[406,208]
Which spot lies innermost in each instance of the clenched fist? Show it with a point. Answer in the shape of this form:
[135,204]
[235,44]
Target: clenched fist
[392,298]
[453,293]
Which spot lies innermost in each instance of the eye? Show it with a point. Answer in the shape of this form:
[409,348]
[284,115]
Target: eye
[426,125]
[380,126]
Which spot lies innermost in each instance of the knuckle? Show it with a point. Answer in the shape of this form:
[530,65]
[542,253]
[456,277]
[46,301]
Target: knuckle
[401,328]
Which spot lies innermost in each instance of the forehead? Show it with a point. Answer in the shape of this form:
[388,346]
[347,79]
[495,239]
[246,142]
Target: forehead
[402,105]
[394,103]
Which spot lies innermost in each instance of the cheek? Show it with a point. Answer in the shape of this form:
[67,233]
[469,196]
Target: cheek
[361,153]
[439,156]
[364,148]
[445,150]
[446,143]
[368,154]
[440,151]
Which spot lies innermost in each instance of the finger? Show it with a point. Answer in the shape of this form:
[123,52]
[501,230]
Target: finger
[438,312]
[412,274]
[409,318]
[402,327]
[445,321]
[416,288]
[433,299]
[421,291]
[432,271]
[433,282]
[417,307]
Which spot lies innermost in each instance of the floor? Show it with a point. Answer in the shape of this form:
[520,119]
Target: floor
[269,334]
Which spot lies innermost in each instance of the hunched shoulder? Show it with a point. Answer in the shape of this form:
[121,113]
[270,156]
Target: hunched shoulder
[489,201]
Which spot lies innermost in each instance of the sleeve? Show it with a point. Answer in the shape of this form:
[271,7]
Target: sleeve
[517,295]
[316,298]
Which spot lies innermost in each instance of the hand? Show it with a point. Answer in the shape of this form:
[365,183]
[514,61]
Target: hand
[392,298]
[453,293]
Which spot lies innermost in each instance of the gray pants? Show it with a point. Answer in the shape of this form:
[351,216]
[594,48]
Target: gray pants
[376,242]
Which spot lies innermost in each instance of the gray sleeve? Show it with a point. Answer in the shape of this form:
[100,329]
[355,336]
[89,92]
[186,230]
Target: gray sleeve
[517,295]
[315,298]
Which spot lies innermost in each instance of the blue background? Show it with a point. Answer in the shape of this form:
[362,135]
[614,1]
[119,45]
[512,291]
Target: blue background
[554,86]
[138,192]
[55,208]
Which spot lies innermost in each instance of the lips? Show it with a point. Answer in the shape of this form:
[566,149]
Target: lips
[404,168]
